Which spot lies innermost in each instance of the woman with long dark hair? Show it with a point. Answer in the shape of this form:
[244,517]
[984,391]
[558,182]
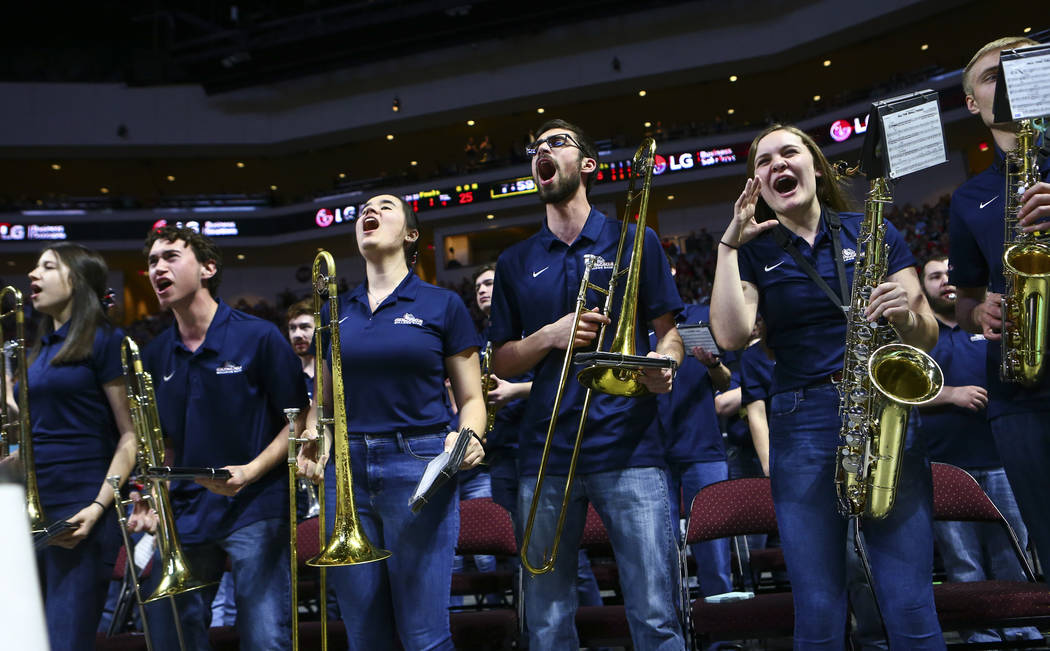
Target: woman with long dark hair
[400,337]
[82,433]
[794,202]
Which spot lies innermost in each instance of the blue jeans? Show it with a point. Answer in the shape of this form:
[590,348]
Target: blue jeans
[978,551]
[258,555]
[804,428]
[1023,441]
[74,581]
[634,508]
[405,596]
[712,556]
[223,608]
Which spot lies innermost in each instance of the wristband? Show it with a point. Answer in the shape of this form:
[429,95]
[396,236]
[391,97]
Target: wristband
[101,505]
[735,248]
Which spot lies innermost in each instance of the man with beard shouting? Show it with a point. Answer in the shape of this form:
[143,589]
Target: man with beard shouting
[956,430]
[620,464]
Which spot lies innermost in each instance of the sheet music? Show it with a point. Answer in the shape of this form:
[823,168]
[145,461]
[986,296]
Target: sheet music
[914,139]
[1028,85]
[430,475]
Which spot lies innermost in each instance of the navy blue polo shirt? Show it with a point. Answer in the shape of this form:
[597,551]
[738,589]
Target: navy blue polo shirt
[756,375]
[504,434]
[536,283]
[955,435]
[221,405]
[394,359]
[976,229]
[804,329]
[686,417]
[74,433]
[737,432]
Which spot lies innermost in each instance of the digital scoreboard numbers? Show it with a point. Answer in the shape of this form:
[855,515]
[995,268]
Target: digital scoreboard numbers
[512,188]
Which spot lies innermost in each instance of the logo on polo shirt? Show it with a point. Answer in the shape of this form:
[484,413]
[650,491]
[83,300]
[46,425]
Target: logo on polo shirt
[601,263]
[408,319]
[849,255]
[977,338]
[228,368]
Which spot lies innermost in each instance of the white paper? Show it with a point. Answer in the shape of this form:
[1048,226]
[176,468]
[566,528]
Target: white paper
[21,606]
[1028,85]
[698,336]
[434,467]
[914,139]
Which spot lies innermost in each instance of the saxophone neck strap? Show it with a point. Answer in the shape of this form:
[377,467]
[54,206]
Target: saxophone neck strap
[784,239]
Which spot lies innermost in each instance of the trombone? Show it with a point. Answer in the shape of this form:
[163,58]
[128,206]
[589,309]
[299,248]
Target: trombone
[348,544]
[16,427]
[175,573]
[615,371]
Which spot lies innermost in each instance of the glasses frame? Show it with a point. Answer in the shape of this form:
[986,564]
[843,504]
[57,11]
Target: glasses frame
[534,148]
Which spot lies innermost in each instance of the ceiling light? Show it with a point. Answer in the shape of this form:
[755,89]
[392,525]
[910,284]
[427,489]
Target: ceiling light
[731,111]
[273,187]
[670,197]
[490,216]
[56,166]
[240,164]
[641,93]
[470,123]
[104,190]
[389,136]
[647,125]
[540,110]
[396,106]
[732,77]
[925,46]
[1027,29]
[816,98]
[342,175]
[827,63]
[170,178]
[241,256]
[414,163]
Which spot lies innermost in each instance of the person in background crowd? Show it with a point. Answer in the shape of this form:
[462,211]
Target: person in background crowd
[955,427]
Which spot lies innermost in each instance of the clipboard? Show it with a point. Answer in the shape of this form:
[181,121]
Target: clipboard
[698,334]
[172,473]
[439,470]
[44,536]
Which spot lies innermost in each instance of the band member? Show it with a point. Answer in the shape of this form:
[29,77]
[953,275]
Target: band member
[400,338]
[301,333]
[222,379]
[791,187]
[621,459]
[693,445]
[82,433]
[1018,415]
[955,428]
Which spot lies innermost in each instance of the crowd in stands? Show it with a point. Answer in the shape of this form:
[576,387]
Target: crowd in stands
[925,228]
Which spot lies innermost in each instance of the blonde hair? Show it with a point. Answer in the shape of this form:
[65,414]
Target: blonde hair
[997,45]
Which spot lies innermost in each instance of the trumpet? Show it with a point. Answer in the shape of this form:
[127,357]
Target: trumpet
[615,371]
[348,544]
[17,426]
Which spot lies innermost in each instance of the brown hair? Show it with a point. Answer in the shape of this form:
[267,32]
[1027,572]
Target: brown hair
[304,307]
[87,278]
[587,146]
[204,249]
[831,191]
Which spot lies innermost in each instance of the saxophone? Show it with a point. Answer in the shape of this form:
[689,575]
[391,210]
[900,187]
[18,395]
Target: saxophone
[1026,272]
[882,379]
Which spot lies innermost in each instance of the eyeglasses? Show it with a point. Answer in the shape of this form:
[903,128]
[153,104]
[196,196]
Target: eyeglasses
[555,141]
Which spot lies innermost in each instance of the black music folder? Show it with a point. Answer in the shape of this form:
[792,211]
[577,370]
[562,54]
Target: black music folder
[439,470]
[44,536]
[170,473]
